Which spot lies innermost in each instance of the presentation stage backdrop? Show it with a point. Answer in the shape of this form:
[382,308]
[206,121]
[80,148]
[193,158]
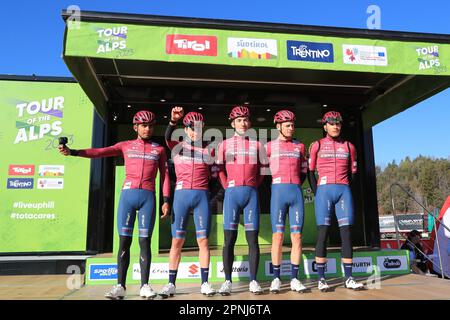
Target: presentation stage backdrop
[43,195]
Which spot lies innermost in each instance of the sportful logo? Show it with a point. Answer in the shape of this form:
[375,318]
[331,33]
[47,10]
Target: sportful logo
[310,51]
[20,183]
[248,48]
[364,55]
[103,272]
[191,45]
[21,170]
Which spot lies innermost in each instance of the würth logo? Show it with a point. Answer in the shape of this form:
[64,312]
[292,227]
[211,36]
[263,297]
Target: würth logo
[193,268]
[191,45]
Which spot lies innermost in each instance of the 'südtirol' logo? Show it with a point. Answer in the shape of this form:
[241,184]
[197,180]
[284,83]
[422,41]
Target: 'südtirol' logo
[112,39]
[191,45]
[365,55]
[428,58]
[247,48]
[20,183]
[310,51]
[51,170]
[21,170]
[35,119]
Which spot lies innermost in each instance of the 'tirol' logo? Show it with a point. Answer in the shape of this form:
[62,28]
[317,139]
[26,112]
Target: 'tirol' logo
[191,45]
[21,170]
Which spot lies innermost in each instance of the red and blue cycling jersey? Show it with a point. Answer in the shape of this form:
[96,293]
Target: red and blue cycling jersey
[287,161]
[334,159]
[142,160]
[192,162]
[241,160]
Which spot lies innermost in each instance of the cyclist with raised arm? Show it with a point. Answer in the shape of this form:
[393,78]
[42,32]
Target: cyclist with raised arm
[192,160]
[335,161]
[288,167]
[143,158]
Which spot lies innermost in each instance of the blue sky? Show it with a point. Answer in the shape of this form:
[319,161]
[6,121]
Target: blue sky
[32,37]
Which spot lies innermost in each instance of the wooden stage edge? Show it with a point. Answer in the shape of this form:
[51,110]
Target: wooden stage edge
[55,287]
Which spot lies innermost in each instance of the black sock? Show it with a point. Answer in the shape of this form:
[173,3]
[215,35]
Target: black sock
[230,237]
[253,252]
[123,259]
[145,259]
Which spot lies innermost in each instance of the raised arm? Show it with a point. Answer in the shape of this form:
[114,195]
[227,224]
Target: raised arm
[112,151]
[175,115]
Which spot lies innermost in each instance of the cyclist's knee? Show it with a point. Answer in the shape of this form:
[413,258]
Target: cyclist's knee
[177,243]
[277,238]
[296,238]
[203,242]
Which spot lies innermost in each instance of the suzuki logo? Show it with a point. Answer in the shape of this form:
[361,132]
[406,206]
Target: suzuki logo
[193,269]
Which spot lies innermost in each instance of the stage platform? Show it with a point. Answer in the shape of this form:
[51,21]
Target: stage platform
[392,287]
[102,269]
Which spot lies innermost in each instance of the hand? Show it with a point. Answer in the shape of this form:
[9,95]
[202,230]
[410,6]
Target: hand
[165,209]
[64,150]
[177,114]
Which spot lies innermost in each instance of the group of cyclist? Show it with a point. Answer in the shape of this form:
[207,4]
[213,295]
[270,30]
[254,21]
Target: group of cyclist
[243,163]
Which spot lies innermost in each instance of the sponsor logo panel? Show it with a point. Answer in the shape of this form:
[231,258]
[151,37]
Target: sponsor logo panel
[310,51]
[240,269]
[106,271]
[51,171]
[361,265]
[311,269]
[158,270]
[191,45]
[429,58]
[392,263]
[285,268]
[20,183]
[365,55]
[52,183]
[21,170]
[249,48]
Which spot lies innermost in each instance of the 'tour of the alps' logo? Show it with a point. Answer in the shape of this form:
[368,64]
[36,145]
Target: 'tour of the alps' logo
[310,51]
[21,170]
[191,45]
